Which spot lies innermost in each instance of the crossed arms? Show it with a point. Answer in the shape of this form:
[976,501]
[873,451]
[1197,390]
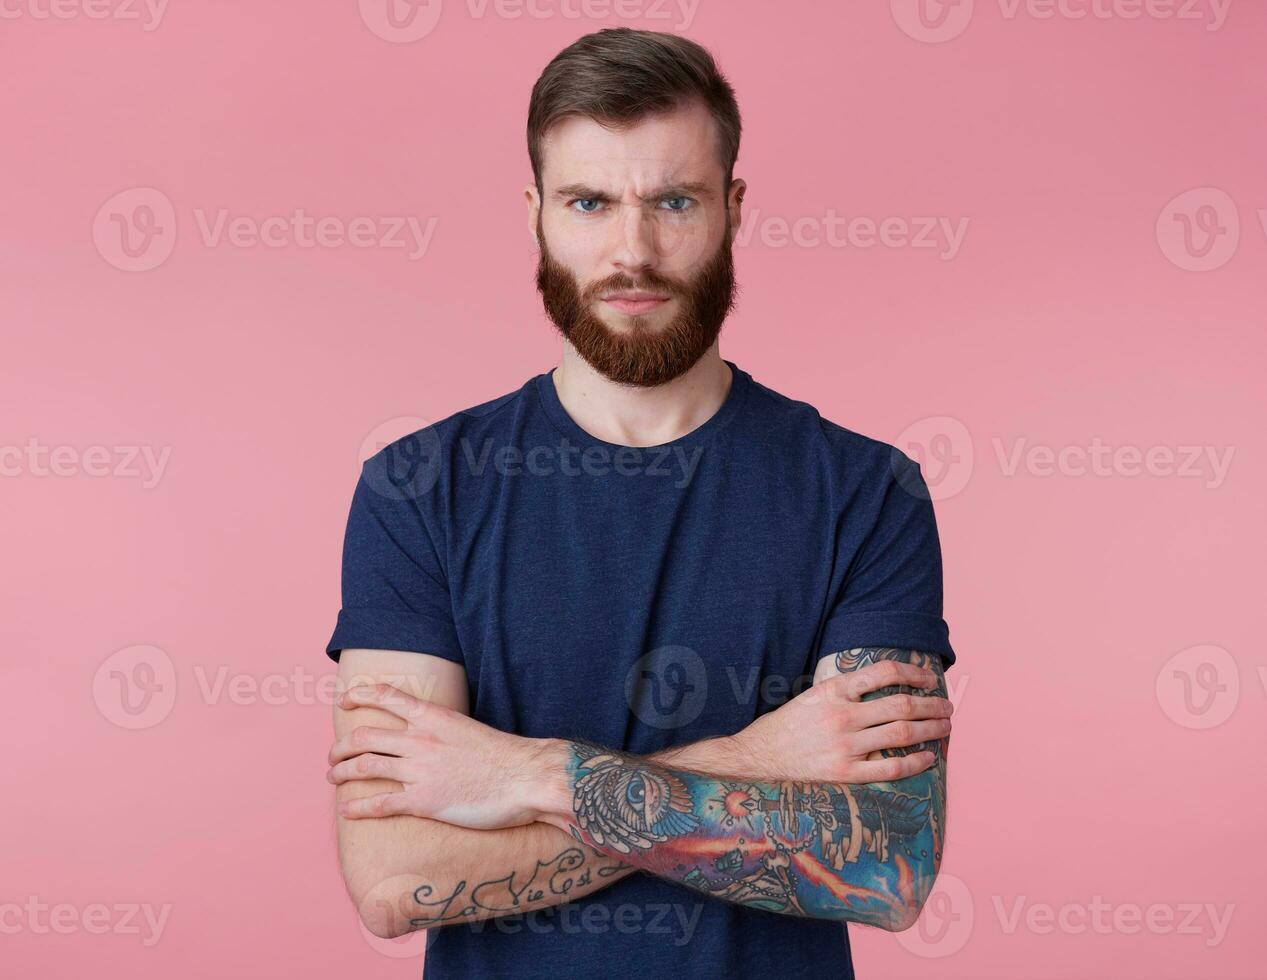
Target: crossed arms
[832,806]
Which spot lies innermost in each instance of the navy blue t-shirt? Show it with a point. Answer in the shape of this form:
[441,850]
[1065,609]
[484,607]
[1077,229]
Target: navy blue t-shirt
[640,598]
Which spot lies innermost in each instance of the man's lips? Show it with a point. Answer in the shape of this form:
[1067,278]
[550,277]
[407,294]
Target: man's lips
[633,303]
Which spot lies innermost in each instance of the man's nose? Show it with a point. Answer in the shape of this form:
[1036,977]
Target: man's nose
[634,249]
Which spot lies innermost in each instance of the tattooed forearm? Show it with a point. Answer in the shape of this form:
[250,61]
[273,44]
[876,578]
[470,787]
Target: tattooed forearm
[549,883]
[864,852]
[822,850]
[932,780]
[867,853]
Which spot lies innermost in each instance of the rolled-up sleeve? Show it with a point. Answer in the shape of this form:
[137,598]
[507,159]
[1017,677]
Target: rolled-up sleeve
[891,593]
[395,590]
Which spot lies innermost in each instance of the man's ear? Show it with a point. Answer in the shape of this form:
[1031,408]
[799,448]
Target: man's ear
[734,204]
[534,211]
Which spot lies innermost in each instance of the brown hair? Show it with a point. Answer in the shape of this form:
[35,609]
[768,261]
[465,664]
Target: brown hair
[618,75]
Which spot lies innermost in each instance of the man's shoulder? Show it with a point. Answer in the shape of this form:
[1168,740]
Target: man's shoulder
[412,466]
[841,445]
[486,415]
[481,419]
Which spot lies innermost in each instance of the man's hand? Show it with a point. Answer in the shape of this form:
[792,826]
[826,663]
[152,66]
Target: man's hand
[456,769]
[452,767]
[828,732]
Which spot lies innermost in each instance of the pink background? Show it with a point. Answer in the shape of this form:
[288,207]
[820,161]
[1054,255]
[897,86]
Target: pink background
[1083,769]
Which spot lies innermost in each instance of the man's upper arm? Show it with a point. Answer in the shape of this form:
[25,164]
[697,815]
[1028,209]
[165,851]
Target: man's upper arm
[888,593]
[429,678]
[366,846]
[394,585]
[929,785]
[845,661]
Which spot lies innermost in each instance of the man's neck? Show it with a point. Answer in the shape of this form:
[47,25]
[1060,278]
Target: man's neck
[632,416]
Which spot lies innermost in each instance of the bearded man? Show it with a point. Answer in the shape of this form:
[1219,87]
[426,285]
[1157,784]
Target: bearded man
[640,659]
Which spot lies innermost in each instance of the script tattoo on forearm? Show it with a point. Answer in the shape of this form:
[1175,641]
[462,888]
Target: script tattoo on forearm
[552,880]
[861,852]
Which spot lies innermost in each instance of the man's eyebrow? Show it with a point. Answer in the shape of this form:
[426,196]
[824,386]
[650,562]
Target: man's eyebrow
[585,192]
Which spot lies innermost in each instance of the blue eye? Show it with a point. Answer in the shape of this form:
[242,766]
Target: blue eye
[686,203]
[636,792]
[587,200]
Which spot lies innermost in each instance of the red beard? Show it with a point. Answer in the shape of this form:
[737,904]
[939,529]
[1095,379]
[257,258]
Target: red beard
[642,355]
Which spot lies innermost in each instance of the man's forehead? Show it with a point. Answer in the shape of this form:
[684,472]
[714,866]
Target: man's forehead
[678,147]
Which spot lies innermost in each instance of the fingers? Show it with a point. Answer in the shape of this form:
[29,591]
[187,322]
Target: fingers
[390,699]
[382,805]
[893,768]
[387,741]
[898,707]
[884,673]
[367,766]
[899,734]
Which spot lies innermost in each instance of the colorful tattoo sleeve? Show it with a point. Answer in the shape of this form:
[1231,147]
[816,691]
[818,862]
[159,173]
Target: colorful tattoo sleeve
[861,852]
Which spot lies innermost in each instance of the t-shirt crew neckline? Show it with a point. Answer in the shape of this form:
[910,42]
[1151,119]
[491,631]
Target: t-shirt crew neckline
[567,426]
